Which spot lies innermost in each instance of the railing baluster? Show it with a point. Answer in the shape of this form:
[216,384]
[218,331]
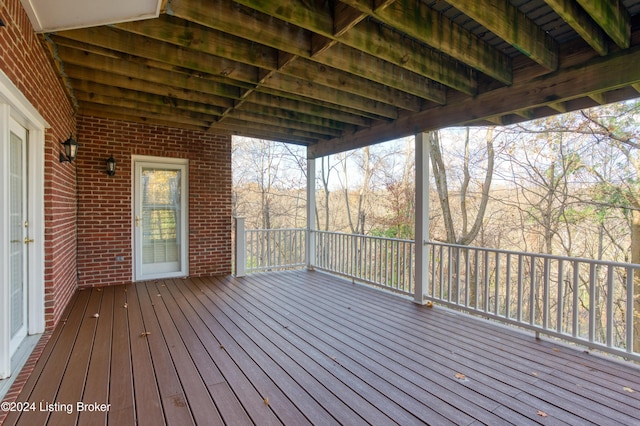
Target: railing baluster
[592,302]
[560,300]
[630,310]
[497,285]
[610,297]
[507,308]
[520,289]
[545,290]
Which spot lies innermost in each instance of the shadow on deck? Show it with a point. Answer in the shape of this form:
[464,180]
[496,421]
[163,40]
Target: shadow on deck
[304,347]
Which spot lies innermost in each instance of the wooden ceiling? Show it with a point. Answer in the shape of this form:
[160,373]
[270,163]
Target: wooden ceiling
[335,75]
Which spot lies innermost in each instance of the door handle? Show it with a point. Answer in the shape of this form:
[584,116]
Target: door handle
[137,221]
[14,241]
[27,240]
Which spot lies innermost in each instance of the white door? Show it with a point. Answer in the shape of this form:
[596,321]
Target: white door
[160,218]
[18,235]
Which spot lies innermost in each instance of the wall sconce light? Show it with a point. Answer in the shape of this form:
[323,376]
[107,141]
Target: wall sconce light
[111,166]
[70,150]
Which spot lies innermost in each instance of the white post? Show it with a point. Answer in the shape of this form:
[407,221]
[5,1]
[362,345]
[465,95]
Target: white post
[421,285]
[310,240]
[241,249]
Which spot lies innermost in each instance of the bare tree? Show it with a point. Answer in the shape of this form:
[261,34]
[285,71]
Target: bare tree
[464,235]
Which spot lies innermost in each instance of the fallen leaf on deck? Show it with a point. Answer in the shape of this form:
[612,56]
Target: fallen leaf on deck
[221,346]
[145,333]
[534,374]
[556,350]
[98,289]
[628,389]
[266,401]
[542,414]
[429,304]
[126,305]
[460,376]
[96,315]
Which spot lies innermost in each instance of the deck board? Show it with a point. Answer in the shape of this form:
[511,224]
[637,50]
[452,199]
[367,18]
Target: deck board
[306,348]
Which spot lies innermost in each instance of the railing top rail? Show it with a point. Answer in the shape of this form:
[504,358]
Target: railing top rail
[540,255]
[276,230]
[365,236]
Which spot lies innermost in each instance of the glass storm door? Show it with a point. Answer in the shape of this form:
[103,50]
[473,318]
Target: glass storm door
[160,220]
[18,234]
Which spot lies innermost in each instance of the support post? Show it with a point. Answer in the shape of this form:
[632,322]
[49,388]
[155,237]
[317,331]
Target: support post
[241,248]
[310,240]
[421,285]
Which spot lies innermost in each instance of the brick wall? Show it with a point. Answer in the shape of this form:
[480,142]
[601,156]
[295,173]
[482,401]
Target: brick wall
[24,60]
[105,202]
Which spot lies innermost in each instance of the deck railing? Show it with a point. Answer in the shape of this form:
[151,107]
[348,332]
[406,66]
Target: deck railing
[384,262]
[274,249]
[579,300]
[584,301]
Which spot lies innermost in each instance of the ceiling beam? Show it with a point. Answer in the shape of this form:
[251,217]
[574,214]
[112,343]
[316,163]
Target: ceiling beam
[145,47]
[257,118]
[613,17]
[513,26]
[575,16]
[223,93]
[375,40]
[193,36]
[276,100]
[84,77]
[428,26]
[294,40]
[602,74]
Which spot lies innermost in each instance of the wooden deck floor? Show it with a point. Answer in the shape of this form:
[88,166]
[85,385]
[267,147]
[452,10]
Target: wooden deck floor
[305,348]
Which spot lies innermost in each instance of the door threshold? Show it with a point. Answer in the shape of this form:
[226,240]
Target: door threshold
[18,360]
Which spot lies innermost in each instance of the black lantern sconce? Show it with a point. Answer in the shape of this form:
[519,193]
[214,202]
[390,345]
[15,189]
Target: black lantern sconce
[70,150]
[111,166]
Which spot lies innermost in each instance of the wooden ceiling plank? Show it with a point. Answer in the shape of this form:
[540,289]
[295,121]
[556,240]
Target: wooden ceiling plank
[144,47]
[377,41]
[426,25]
[375,69]
[330,95]
[84,77]
[602,74]
[294,115]
[96,111]
[141,71]
[157,106]
[276,100]
[101,110]
[117,96]
[245,115]
[230,17]
[341,80]
[507,22]
[232,123]
[613,17]
[292,39]
[391,46]
[261,134]
[206,40]
[582,23]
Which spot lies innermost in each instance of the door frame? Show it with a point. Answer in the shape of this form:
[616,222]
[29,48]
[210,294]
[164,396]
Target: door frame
[184,225]
[14,105]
